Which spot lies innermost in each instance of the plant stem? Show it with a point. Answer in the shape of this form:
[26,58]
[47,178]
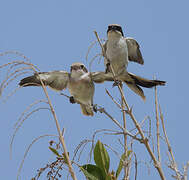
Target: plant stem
[59,131]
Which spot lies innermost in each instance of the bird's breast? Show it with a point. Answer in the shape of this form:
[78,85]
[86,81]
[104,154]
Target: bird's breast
[117,53]
[81,90]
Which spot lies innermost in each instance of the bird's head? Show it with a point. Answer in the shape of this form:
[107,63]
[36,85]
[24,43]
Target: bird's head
[114,30]
[78,69]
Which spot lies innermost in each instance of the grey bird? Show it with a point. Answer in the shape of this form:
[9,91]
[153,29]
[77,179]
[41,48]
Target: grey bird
[119,50]
[79,82]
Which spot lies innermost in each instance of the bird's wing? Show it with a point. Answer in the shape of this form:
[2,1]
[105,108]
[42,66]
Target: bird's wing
[104,47]
[134,53]
[100,77]
[56,80]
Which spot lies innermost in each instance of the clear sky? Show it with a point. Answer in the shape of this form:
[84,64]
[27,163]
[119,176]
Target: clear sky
[54,34]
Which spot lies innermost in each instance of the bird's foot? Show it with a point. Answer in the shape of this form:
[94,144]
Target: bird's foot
[95,108]
[72,100]
[116,83]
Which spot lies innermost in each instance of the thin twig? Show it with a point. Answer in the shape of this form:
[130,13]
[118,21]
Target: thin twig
[126,168]
[65,95]
[20,62]
[186,171]
[18,127]
[59,132]
[172,160]
[102,110]
[82,143]
[27,150]
[2,86]
[16,53]
[114,151]
[27,109]
[92,60]
[118,105]
[136,165]
[157,126]
[11,94]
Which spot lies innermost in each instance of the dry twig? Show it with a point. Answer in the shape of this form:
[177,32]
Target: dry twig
[157,126]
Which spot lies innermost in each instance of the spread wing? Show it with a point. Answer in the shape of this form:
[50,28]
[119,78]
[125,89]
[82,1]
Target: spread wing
[100,77]
[56,80]
[134,51]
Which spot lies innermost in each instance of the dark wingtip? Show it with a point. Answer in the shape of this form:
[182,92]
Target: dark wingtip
[29,81]
[21,83]
[161,83]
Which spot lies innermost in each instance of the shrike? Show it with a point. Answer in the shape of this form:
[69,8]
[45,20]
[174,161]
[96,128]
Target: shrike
[79,82]
[118,52]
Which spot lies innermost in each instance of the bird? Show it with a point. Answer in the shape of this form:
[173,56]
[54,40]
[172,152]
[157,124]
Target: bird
[118,51]
[79,82]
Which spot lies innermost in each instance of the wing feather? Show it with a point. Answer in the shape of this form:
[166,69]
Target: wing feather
[56,80]
[134,51]
[100,77]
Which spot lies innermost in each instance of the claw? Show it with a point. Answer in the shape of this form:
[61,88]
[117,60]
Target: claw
[72,100]
[95,108]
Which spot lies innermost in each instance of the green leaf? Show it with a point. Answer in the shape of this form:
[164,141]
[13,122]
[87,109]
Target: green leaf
[64,156]
[54,151]
[101,158]
[92,172]
[120,167]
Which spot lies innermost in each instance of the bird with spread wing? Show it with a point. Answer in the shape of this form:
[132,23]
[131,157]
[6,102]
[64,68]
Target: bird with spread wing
[79,82]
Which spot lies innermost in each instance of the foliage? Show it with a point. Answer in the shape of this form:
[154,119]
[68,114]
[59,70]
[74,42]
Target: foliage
[100,170]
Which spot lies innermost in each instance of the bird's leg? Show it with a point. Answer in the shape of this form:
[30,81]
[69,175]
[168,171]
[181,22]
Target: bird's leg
[107,68]
[95,109]
[116,83]
[72,100]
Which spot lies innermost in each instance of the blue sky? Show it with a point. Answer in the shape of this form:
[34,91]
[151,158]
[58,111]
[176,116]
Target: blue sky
[54,34]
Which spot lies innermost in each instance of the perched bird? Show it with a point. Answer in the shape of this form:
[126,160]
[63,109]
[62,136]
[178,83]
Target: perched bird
[118,51]
[79,82]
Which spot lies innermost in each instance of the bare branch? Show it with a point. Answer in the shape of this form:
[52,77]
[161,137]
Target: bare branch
[16,53]
[102,110]
[82,143]
[59,132]
[29,147]
[2,86]
[18,127]
[186,171]
[118,105]
[157,126]
[27,109]
[173,164]
[11,94]
[136,166]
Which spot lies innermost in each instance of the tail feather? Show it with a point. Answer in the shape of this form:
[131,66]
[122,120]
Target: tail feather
[136,89]
[133,82]
[30,81]
[146,82]
[86,110]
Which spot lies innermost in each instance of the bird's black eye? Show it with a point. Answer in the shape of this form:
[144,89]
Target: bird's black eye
[118,28]
[81,66]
